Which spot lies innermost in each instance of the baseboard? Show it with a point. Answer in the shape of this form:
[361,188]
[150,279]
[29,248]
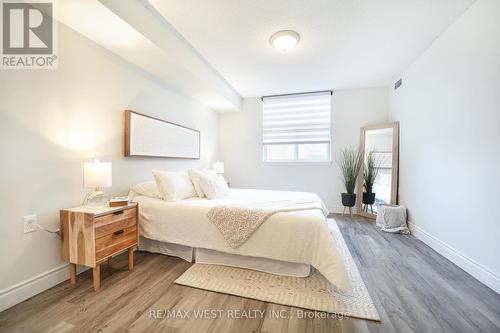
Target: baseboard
[28,288]
[475,269]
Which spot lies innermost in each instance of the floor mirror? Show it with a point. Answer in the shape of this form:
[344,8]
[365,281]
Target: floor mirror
[378,175]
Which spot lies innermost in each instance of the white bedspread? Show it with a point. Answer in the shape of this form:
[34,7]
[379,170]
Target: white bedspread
[299,236]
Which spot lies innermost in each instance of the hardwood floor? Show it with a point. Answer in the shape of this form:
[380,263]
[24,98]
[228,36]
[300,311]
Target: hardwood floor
[414,288]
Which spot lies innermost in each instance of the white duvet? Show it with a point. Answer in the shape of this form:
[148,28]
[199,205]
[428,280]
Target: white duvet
[299,236]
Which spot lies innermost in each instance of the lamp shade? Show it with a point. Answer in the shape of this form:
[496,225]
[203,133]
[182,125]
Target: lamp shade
[97,174]
[218,167]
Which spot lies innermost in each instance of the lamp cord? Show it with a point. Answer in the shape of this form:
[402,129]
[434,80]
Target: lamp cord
[58,231]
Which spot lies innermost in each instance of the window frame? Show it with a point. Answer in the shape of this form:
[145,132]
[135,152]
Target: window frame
[296,160]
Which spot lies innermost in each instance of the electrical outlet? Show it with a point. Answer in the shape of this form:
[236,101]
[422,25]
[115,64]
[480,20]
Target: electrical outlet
[30,222]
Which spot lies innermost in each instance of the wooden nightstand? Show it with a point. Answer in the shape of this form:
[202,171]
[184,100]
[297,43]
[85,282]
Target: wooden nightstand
[90,236]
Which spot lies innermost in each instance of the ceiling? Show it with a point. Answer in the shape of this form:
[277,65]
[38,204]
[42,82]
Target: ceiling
[137,33]
[344,43]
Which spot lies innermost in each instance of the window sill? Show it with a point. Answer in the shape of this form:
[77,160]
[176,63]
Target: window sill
[302,163]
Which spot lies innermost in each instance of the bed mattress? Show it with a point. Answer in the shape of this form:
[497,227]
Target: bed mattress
[301,237]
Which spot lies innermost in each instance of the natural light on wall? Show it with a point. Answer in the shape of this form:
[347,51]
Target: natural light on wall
[297,127]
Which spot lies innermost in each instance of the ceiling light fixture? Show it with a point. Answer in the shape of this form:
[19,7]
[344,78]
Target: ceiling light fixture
[284,40]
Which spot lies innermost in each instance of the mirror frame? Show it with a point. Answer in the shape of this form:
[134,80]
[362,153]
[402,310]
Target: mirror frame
[395,165]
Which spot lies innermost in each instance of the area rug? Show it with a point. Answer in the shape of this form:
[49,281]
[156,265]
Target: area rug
[313,292]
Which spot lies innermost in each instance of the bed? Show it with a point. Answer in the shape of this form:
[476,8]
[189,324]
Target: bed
[286,243]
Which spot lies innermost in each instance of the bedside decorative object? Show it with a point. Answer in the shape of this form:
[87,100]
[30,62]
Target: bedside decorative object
[118,201]
[218,167]
[90,236]
[96,175]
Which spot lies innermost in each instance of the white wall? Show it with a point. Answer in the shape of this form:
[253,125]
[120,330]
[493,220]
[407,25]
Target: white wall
[50,122]
[449,109]
[240,137]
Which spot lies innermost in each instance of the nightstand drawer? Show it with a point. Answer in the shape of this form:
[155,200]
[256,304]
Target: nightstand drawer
[115,242]
[115,216]
[109,228]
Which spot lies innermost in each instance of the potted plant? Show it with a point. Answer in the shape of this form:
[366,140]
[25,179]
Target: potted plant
[350,163]
[372,168]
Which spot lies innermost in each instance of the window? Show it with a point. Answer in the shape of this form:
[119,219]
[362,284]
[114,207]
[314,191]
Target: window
[296,128]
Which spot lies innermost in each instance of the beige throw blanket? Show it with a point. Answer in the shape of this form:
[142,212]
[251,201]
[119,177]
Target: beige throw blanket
[238,223]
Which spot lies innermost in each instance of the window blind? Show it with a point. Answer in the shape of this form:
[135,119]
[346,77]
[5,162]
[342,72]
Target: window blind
[301,118]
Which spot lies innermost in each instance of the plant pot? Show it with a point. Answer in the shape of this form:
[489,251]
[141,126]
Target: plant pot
[368,198]
[348,200]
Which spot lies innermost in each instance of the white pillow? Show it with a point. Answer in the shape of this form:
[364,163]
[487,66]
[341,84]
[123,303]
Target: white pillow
[147,189]
[214,186]
[196,176]
[174,186]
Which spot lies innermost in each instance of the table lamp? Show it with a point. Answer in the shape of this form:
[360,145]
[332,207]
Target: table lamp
[96,175]
[218,167]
